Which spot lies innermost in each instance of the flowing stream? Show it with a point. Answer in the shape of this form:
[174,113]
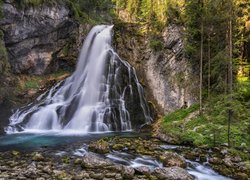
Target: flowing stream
[103,94]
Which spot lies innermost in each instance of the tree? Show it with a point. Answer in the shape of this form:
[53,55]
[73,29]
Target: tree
[230,68]
[201,55]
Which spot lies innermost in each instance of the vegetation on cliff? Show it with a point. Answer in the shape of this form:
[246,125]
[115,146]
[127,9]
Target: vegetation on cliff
[91,11]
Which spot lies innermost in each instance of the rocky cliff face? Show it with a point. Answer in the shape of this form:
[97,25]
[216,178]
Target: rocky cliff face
[166,74]
[41,38]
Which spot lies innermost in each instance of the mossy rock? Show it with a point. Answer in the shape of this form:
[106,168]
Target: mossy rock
[143,151]
[37,157]
[100,146]
[242,176]
[118,147]
[15,153]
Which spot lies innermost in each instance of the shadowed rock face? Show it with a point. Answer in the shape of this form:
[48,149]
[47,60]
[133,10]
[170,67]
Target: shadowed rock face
[36,38]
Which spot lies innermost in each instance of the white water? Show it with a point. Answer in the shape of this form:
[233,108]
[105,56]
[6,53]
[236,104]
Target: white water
[202,172]
[92,99]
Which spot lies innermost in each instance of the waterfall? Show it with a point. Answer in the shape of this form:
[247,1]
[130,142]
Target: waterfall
[103,94]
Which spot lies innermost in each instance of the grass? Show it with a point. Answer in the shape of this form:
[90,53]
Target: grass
[209,129]
[180,114]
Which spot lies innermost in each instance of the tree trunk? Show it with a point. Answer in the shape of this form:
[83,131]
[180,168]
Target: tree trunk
[201,58]
[209,68]
[230,73]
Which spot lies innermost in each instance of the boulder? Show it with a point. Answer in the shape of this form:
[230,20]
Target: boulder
[93,161]
[100,146]
[173,159]
[143,170]
[167,138]
[215,160]
[128,172]
[37,157]
[172,173]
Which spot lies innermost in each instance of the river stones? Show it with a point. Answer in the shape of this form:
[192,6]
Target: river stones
[215,160]
[172,159]
[143,170]
[101,147]
[93,161]
[37,157]
[172,173]
[167,138]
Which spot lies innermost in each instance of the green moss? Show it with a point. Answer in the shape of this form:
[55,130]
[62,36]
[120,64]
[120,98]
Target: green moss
[66,160]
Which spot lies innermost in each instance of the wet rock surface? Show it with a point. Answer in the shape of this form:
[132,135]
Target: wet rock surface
[173,159]
[172,173]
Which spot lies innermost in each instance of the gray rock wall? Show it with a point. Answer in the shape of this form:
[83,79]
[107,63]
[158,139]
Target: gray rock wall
[40,39]
[167,75]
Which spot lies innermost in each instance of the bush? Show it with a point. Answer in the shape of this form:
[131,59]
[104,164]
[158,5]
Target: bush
[156,45]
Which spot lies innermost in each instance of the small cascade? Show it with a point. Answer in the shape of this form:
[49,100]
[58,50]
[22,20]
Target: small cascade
[103,94]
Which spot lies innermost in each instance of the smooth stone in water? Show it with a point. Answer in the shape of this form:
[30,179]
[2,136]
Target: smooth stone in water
[143,170]
[92,161]
[173,159]
[172,173]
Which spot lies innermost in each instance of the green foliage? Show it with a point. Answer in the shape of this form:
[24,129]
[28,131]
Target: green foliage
[244,88]
[35,3]
[156,45]
[210,129]
[180,114]
[154,14]
[174,12]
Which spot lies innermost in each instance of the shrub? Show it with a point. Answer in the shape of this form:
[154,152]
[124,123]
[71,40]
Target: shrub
[156,45]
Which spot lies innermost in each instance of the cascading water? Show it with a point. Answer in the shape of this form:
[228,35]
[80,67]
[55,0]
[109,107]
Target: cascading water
[103,94]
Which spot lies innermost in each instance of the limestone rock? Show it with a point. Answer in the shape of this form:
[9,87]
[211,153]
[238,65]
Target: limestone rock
[37,37]
[215,160]
[172,173]
[100,146]
[37,157]
[143,170]
[91,160]
[127,172]
[173,159]
[167,76]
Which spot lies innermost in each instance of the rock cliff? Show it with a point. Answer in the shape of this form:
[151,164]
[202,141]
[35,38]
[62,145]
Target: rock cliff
[168,78]
[40,38]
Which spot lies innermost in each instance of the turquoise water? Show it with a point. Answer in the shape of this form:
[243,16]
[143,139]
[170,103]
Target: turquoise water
[30,141]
